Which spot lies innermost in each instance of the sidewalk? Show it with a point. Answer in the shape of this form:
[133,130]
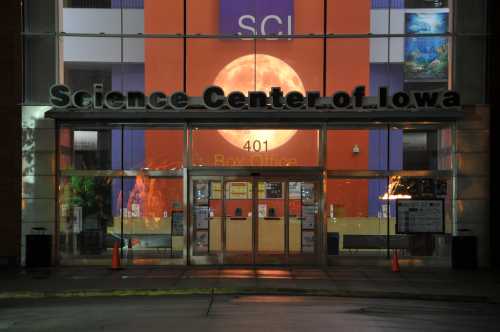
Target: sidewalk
[373,282]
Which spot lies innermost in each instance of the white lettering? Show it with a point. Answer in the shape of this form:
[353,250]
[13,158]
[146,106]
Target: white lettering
[247,27]
[268,18]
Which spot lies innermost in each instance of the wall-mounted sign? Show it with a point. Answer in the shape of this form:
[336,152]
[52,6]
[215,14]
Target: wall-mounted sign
[420,216]
[215,98]
[256,17]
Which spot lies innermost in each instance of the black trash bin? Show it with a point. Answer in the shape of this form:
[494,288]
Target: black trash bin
[38,249]
[332,242]
[464,252]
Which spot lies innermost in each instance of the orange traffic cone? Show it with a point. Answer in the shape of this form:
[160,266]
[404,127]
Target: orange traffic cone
[115,258]
[395,262]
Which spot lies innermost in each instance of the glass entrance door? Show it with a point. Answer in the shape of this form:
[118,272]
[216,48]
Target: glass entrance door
[238,221]
[254,220]
[271,222]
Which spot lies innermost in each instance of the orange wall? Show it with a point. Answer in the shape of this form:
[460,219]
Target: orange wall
[164,149]
[348,60]
[347,65]
[350,198]
[163,58]
[339,149]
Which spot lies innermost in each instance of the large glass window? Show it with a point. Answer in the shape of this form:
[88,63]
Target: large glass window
[114,148]
[404,148]
[363,216]
[90,148]
[89,217]
[153,53]
[153,148]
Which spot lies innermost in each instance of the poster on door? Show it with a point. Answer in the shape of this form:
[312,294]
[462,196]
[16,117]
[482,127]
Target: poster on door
[308,216]
[201,215]
[201,241]
[307,241]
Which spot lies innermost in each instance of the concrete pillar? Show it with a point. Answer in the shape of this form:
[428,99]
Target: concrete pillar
[473,180]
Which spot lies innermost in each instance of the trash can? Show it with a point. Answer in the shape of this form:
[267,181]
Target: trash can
[38,248]
[464,252]
[332,243]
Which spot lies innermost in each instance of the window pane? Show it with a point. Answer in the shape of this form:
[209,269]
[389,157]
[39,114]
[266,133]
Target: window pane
[437,245]
[86,16]
[159,17]
[361,149]
[87,148]
[153,219]
[89,214]
[358,215]
[154,149]
[92,60]
[228,63]
[39,15]
[293,65]
[163,61]
[255,147]
[39,68]
[421,149]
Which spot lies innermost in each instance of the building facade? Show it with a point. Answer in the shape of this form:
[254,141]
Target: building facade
[255,132]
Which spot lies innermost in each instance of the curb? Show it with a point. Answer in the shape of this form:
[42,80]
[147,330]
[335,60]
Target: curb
[96,293]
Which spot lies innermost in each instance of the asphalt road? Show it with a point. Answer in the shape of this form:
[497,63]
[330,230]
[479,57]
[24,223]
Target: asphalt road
[245,313]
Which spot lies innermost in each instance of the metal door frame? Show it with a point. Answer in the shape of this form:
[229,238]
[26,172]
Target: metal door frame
[247,176]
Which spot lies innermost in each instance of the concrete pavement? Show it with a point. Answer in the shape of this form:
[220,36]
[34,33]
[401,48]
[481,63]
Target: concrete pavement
[244,313]
[369,282]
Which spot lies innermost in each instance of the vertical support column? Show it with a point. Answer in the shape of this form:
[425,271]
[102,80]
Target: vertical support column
[473,178]
[10,154]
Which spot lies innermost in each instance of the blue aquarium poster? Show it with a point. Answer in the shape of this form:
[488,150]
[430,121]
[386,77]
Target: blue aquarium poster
[426,58]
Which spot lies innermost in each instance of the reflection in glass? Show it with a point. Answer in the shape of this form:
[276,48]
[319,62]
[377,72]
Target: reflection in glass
[89,214]
[152,209]
[90,148]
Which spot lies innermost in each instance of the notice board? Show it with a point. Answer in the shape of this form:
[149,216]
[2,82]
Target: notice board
[419,216]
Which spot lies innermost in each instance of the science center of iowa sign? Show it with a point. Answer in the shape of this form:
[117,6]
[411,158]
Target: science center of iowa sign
[214,98]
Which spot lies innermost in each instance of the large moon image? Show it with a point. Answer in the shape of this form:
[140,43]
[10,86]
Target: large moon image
[258,72]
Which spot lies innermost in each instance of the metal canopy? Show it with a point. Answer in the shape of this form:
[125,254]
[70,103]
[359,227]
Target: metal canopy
[302,116]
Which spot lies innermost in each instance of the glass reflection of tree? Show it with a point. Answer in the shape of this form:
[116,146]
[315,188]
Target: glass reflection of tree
[93,195]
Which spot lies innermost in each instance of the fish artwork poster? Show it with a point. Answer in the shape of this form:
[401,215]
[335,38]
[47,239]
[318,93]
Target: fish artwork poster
[426,58]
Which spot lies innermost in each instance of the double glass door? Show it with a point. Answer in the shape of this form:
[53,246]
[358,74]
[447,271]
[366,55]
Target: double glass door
[253,220]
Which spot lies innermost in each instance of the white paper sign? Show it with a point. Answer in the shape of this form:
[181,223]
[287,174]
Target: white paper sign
[85,140]
[420,216]
[77,219]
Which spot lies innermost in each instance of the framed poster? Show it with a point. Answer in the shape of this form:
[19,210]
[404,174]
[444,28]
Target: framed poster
[77,219]
[308,193]
[426,58]
[294,190]
[238,190]
[177,223]
[215,190]
[201,241]
[419,216]
[274,189]
[308,241]
[262,210]
[308,216]
[201,191]
[201,216]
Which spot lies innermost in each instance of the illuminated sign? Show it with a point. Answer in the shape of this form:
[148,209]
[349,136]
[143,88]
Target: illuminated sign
[214,98]
[256,17]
